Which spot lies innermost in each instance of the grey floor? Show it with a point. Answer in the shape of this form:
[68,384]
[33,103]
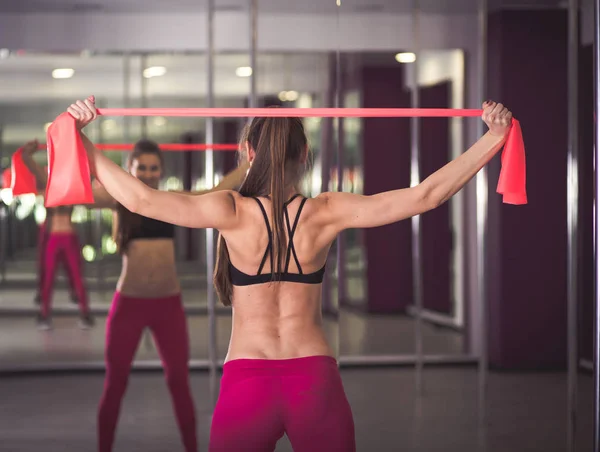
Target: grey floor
[525,412]
[352,334]
[54,412]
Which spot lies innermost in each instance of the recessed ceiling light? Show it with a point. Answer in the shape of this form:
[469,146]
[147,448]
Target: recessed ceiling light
[243,71]
[63,73]
[4,54]
[406,57]
[155,71]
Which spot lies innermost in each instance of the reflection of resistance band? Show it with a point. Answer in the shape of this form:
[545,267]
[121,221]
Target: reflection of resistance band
[167,147]
[69,178]
[25,182]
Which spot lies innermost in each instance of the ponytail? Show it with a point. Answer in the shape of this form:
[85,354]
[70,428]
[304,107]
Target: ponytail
[279,145]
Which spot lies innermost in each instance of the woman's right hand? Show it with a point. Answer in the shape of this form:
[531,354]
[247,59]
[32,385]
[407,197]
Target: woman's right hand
[497,117]
[84,112]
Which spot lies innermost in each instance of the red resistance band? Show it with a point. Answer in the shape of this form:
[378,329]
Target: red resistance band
[22,181]
[6,178]
[25,180]
[69,172]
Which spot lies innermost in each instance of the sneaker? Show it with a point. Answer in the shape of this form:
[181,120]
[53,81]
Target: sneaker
[73,298]
[44,323]
[86,322]
[37,299]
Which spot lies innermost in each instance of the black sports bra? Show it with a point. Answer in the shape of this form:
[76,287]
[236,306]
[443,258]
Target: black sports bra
[239,278]
[149,228]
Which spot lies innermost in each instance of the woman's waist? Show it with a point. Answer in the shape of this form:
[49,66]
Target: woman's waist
[148,280]
[278,344]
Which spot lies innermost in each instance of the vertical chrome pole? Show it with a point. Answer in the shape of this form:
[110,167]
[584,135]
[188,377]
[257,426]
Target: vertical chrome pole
[144,95]
[209,177]
[3,223]
[126,104]
[339,101]
[415,179]
[253,47]
[596,211]
[572,221]
[482,206]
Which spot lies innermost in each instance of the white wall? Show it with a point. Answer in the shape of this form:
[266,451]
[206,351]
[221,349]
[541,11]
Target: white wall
[277,32]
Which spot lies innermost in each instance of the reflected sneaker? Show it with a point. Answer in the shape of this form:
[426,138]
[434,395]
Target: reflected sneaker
[86,322]
[44,323]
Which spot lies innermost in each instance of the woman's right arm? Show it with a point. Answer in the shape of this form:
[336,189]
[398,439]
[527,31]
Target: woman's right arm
[214,210]
[348,211]
[41,176]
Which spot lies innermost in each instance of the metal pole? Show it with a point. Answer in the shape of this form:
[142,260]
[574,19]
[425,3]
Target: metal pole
[482,205]
[596,241]
[340,252]
[416,220]
[144,95]
[127,104]
[572,222]
[209,177]
[253,47]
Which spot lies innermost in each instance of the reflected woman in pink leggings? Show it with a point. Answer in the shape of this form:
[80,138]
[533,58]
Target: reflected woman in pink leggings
[148,295]
[59,244]
[280,375]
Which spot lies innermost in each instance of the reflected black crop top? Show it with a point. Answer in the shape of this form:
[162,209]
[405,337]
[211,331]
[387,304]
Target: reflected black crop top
[239,278]
[149,228]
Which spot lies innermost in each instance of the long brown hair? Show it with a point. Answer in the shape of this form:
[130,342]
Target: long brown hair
[128,221]
[280,147]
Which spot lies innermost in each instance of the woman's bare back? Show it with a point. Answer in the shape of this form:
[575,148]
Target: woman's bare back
[277,320]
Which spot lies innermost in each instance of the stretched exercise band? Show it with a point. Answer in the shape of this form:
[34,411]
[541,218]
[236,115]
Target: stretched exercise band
[69,172]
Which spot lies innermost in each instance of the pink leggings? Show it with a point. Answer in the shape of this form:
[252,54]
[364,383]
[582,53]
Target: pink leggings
[126,321]
[261,399]
[65,247]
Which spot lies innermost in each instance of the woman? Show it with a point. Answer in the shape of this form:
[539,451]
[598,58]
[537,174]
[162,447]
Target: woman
[58,241]
[280,375]
[148,295]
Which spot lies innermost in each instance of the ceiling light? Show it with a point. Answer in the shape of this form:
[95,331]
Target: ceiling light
[289,96]
[338,2]
[243,71]
[292,96]
[160,121]
[4,54]
[63,73]
[406,57]
[108,125]
[155,71]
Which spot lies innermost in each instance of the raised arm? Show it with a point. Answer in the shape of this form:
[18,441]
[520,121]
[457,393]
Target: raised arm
[214,210]
[347,211]
[41,176]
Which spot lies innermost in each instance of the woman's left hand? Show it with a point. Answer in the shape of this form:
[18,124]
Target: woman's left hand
[84,112]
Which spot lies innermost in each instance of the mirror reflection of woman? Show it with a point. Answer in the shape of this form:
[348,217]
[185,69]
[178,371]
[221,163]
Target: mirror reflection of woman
[58,243]
[280,375]
[148,295]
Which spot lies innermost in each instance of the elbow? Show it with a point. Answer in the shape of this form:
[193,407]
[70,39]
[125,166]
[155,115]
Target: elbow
[429,197]
[139,202]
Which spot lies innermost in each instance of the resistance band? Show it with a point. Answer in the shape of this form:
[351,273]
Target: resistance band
[25,181]
[22,181]
[6,178]
[69,172]
[166,147]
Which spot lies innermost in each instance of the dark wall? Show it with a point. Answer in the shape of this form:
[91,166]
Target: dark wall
[436,234]
[526,252]
[386,159]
